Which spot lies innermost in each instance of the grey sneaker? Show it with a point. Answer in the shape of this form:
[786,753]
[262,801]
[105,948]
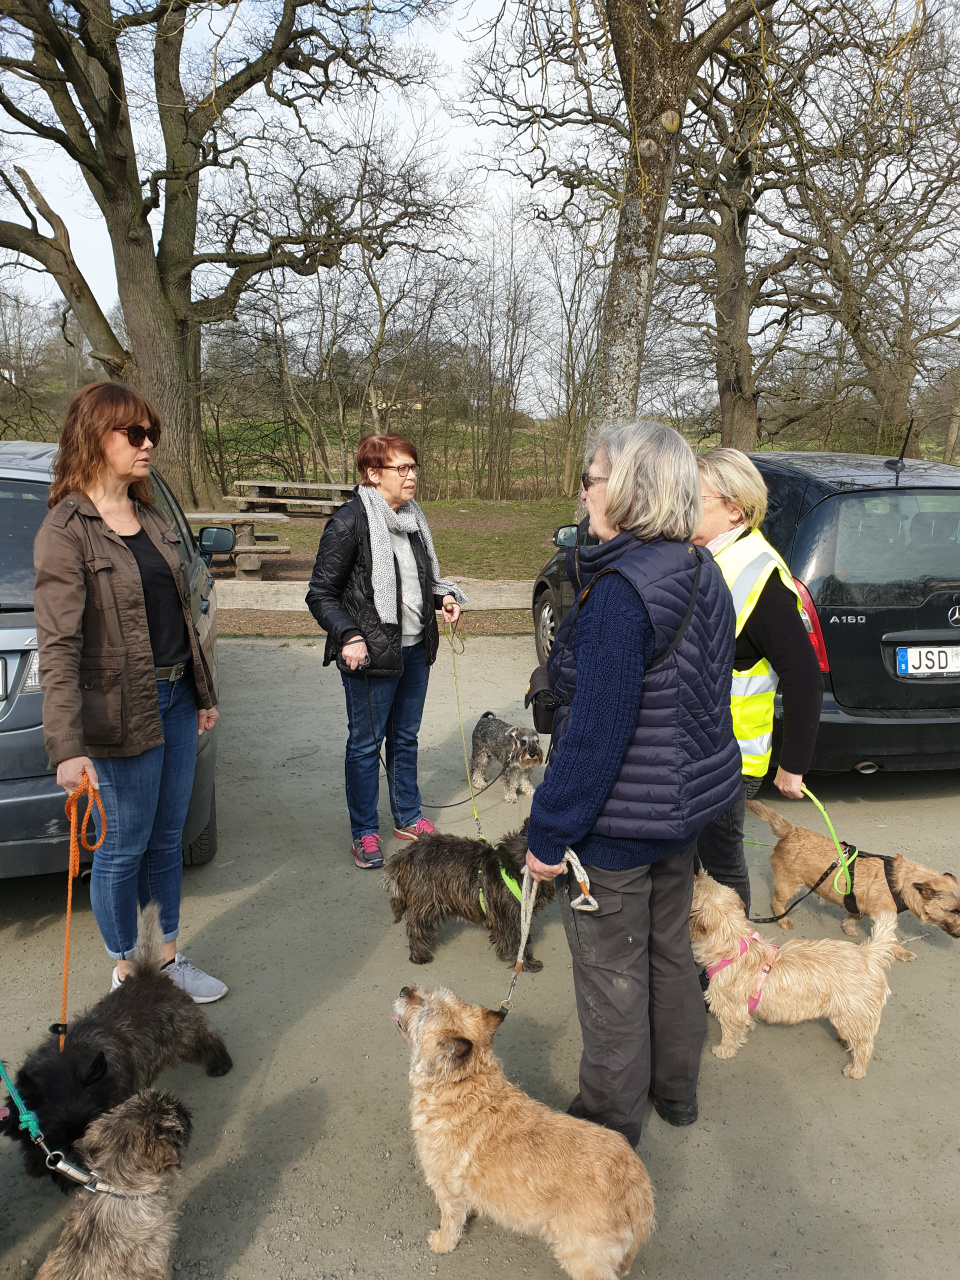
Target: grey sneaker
[198,985]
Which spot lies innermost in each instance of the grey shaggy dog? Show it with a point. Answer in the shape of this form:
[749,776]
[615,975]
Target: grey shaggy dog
[136,1148]
[515,749]
[111,1052]
[441,875]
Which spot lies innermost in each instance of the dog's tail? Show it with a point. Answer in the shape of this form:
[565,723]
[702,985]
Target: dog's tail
[780,826]
[146,957]
[488,715]
[883,938]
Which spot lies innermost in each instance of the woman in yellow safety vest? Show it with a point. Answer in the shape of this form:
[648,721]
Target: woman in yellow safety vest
[772,649]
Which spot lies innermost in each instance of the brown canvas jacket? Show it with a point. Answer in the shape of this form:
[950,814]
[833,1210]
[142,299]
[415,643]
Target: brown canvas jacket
[96,665]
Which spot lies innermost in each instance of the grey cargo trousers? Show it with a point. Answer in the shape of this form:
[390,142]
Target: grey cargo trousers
[639,1001]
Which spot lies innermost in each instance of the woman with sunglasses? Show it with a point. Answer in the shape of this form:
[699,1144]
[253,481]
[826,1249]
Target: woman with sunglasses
[375,590]
[126,691]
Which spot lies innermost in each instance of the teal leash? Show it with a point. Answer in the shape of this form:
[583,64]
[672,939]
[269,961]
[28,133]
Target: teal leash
[28,1118]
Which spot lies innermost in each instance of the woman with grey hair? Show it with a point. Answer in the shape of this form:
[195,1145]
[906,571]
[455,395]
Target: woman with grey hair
[643,756]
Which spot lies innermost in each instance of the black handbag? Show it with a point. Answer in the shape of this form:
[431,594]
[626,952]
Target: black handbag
[540,695]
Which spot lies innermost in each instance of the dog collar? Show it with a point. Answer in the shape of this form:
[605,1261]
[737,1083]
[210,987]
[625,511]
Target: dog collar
[508,880]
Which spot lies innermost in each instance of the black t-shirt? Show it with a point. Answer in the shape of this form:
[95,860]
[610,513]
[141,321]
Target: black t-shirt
[165,621]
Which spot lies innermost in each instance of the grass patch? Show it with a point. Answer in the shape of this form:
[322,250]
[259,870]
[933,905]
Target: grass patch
[474,538]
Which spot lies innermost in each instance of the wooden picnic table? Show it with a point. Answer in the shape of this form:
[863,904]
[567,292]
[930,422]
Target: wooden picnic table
[266,493]
[246,555]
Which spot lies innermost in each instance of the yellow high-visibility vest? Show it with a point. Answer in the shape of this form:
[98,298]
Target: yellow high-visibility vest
[746,565]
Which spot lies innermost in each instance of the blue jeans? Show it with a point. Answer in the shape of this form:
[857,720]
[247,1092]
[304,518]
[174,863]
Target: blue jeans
[145,800]
[396,709]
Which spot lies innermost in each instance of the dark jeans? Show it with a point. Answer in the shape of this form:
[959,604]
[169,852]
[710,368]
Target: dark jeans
[720,844]
[145,800]
[396,709]
[638,999]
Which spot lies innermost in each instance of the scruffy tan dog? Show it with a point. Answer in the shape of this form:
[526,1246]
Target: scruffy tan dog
[127,1232]
[750,977]
[487,1148]
[801,857]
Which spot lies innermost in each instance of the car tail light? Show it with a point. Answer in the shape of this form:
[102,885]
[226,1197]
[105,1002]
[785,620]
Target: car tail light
[31,681]
[812,623]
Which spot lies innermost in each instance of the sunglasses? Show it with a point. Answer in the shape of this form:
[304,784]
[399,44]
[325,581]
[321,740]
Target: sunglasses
[403,470]
[586,480]
[137,434]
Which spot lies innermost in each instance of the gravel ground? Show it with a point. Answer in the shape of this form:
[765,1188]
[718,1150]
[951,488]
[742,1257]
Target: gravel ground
[302,1164]
[287,623]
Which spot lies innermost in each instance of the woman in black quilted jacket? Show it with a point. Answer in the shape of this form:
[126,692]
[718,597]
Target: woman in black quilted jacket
[375,590]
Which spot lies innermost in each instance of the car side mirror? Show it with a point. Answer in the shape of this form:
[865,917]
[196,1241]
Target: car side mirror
[566,536]
[213,540]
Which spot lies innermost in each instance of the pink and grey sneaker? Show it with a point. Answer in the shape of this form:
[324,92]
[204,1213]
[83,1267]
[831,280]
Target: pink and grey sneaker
[366,852]
[422,827]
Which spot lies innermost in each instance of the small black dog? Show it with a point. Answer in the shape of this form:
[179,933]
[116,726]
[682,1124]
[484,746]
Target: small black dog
[514,748]
[110,1052]
[441,875]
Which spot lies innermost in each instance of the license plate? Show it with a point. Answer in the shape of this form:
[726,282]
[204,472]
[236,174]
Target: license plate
[936,660]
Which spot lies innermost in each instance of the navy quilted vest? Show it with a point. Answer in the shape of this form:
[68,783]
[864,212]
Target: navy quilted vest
[682,765]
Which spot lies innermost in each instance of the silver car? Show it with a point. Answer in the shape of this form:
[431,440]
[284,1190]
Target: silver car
[34,833]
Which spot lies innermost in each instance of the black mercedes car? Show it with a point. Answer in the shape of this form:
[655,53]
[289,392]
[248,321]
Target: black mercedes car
[874,547]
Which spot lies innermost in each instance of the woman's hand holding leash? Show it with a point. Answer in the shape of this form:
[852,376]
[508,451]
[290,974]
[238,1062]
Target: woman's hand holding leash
[789,784]
[70,773]
[543,871]
[451,610]
[355,654]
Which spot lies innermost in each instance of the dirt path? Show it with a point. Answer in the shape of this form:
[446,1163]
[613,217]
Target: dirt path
[302,1165]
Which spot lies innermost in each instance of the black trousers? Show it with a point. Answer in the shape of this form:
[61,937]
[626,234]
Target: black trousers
[720,844]
[638,998]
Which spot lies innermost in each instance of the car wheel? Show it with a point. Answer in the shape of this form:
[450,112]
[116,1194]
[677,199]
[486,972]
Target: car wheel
[204,847]
[544,624]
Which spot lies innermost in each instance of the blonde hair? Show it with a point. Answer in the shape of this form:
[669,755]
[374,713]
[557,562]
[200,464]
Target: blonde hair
[737,481]
[654,486]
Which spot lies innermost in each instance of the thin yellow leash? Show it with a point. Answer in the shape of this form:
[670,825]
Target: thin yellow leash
[450,633]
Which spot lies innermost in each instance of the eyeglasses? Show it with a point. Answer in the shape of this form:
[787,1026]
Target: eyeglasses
[137,434]
[403,470]
[586,480]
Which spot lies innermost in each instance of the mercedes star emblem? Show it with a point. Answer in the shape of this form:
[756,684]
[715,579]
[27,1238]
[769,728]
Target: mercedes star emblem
[954,616]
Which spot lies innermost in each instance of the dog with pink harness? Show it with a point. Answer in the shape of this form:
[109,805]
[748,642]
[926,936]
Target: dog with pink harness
[802,980]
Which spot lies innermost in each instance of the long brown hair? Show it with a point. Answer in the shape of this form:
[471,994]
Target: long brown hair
[96,409]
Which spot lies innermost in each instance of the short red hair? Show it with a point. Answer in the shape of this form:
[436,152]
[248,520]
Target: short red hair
[376,451]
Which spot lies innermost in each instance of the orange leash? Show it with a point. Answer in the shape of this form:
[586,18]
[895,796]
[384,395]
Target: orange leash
[93,795]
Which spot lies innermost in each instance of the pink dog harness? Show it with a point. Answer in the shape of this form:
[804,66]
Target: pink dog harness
[754,1000]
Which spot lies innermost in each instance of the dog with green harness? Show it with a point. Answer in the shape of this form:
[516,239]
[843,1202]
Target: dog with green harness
[439,876]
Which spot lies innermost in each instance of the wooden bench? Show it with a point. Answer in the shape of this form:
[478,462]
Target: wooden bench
[246,555]
[266,493]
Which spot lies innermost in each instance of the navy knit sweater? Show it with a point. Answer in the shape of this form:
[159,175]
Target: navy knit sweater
[613,642]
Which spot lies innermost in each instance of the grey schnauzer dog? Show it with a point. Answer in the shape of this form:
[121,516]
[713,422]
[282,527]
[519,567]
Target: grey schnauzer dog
[129,1230]
[111,1052]
[516,750]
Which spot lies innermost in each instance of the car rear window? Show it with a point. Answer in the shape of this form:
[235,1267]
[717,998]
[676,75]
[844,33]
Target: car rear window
[891,548]
[23,504]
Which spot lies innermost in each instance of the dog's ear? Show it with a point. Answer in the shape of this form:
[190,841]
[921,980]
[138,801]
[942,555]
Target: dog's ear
[925,891]
[457,1050]
[494,1018]
[950,874]
[94,1070]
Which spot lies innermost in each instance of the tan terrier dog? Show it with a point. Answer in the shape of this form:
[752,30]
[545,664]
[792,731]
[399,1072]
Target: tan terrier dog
[128,1230]
[802,980]
[487,1148]
[801,857]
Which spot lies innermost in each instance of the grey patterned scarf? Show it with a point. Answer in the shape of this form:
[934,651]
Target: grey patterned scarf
[383,521]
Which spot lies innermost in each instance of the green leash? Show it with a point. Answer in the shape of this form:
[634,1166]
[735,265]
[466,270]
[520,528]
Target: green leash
[28,1119]
[842,857]
[508,881]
